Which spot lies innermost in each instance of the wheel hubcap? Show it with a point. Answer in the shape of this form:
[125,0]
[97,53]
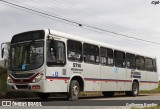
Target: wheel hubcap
[75,90]
[135,89]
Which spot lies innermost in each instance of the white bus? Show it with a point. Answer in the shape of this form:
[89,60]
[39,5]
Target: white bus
[47,61]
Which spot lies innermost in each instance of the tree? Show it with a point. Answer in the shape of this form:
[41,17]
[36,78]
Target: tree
[6,47]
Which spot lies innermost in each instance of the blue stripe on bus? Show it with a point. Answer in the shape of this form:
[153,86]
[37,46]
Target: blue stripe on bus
[56,77]
[136,76]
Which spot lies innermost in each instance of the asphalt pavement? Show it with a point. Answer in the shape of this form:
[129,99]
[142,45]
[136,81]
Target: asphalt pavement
[98,102]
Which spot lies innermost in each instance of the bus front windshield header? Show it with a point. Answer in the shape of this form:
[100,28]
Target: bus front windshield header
[26,56]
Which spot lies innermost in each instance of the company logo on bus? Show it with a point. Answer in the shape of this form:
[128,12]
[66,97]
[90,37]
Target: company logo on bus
[135,74]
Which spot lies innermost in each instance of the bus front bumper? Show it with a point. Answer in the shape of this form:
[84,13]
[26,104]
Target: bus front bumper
[35,87]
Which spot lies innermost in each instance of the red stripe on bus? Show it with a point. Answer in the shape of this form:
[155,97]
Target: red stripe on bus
[57,78]
[149,82]
[95,79]
[107,80]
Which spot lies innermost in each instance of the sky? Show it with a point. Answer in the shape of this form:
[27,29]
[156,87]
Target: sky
[135,18]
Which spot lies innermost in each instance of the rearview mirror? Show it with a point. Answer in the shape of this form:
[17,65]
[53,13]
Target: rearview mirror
[2,52]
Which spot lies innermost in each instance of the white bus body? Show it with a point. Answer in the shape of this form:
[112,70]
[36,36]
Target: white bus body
[90,76]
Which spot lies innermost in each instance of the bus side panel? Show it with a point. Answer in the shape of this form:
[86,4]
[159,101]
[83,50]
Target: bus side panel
[129,83]
[56,81]
[108,75]
[139,75]
[122,78]
[74,69]
[91,75]
[142,78]
[152,78]
[56,86]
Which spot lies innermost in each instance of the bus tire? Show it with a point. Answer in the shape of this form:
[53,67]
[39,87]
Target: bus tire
[135,90]
[43,96]
[74,90]
[108,94]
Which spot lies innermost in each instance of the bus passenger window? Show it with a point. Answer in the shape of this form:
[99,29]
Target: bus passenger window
[154,65]
[91,53]
[119,57]
[140,64]
[74,50]
[51,55]
[130,61]
[148,64]
[55,53]
[106,56]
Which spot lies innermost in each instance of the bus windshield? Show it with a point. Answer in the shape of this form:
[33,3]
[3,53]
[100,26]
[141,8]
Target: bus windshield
[26,55]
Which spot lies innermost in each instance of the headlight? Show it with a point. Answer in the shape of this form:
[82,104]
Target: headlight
[38,77]
[9,79]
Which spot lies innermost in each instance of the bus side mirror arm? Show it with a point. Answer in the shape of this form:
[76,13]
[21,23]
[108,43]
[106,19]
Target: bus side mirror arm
[2,50]
[2,53]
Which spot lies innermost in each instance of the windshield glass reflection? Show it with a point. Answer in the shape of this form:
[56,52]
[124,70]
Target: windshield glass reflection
[26,56]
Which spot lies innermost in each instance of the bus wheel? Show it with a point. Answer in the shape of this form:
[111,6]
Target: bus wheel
[74,90]
[135,90]
[108,94]
[43,96]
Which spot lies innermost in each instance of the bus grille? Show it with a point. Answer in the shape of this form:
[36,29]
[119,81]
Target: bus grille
[22,81]
[22,86]
[28,75]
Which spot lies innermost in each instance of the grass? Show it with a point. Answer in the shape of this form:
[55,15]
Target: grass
[154,91]
[3,78]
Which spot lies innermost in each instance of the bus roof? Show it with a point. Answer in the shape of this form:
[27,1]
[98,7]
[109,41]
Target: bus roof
[98,43]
